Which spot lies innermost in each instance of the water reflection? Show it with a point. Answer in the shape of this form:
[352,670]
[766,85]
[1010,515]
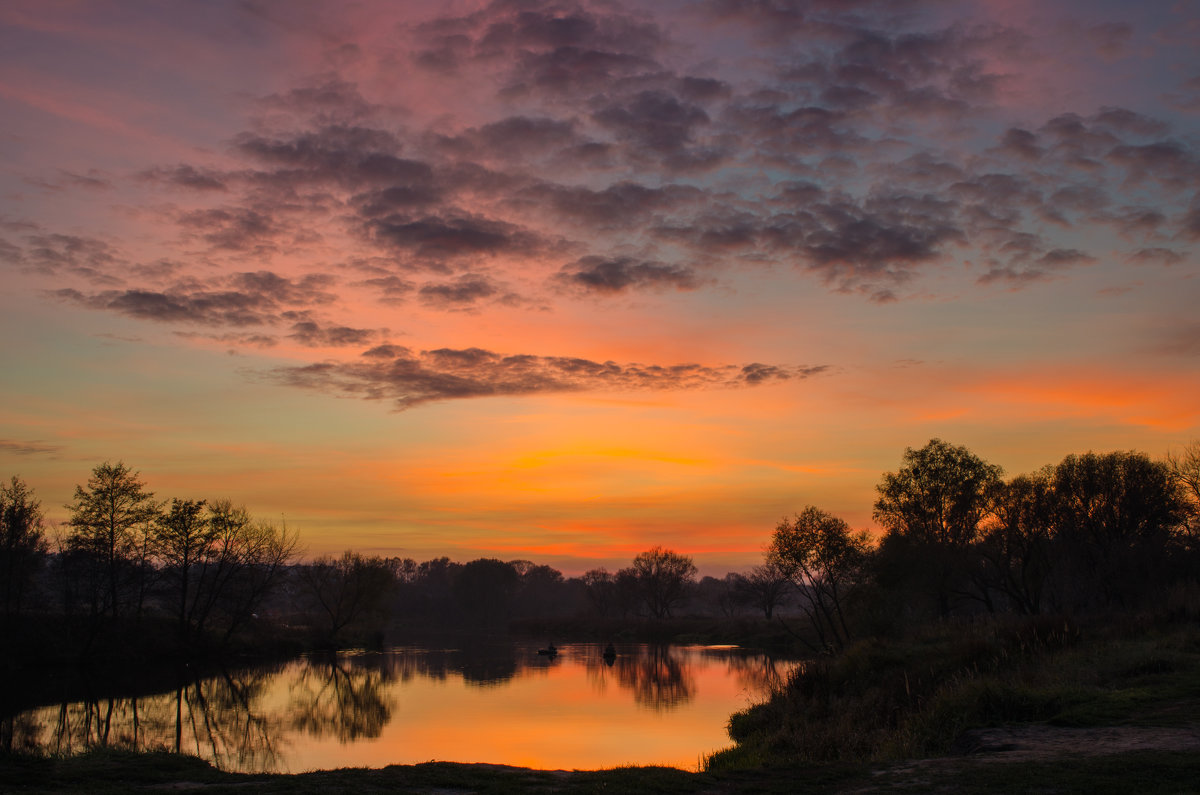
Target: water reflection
[341,697]
[220,718]
[648,704]
[658,678]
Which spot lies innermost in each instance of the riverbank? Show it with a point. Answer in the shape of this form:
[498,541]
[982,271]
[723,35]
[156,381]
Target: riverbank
[923,694]
[1111,772]
[1046,705]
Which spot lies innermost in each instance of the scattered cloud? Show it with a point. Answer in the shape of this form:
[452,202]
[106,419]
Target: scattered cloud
[29,448]
[567,150]
[598,275]
[408,378]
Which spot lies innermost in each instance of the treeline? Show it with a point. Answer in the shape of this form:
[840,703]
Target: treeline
[130,573]
[1095,532]
[126,567]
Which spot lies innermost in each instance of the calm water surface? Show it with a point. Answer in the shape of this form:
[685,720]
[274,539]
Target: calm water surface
[501,703]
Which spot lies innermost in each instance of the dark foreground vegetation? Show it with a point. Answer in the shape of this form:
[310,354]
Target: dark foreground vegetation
[1150,772]
[1042,607]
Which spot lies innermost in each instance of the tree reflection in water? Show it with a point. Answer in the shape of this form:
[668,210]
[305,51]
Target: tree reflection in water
[219,718]
[756,673]
[343,697]
[659,677]
[224,719]
[275,717]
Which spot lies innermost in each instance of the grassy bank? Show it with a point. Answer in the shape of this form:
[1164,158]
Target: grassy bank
[1148,772]
[886,700]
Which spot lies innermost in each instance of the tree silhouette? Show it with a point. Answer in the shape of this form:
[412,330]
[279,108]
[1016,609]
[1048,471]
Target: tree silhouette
[662,579]
[238,563]
[347,591]
[938,496]
[22,542]
[1115,516]
[105,518]
[826,562]
[1017,537]
[765,587]
[601,589]
[183,538]
[484,589]
[937,501]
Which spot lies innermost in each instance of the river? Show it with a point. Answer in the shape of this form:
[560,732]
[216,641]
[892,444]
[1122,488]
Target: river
[497,702]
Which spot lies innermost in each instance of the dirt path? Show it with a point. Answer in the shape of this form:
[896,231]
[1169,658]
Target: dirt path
[1022,743]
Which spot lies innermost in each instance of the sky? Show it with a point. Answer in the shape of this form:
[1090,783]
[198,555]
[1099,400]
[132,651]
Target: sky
[563,281]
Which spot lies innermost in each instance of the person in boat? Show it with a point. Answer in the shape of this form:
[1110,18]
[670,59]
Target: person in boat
[549,651]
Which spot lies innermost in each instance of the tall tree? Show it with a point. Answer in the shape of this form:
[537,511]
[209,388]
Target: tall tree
[663,579]
[1017,536]
[183,539]
[348,591]
[22,542]
[105,519]
[826,562]
[1185,465]
[1116,517]
[939,495]
[937,501]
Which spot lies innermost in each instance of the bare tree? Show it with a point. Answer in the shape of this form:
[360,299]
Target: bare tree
[765,587]
[347,590]
[1185,466]
[238,561]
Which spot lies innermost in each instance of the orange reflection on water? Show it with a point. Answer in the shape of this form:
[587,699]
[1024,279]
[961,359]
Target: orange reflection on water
[502,704]
[652,706]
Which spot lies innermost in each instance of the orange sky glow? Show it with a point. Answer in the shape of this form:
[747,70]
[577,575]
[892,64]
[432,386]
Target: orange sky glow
[564,280]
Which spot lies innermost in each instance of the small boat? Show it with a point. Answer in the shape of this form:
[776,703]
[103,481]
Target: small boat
[550,652]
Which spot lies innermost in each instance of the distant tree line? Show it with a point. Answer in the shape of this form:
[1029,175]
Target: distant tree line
[126,564]
[1095,532]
